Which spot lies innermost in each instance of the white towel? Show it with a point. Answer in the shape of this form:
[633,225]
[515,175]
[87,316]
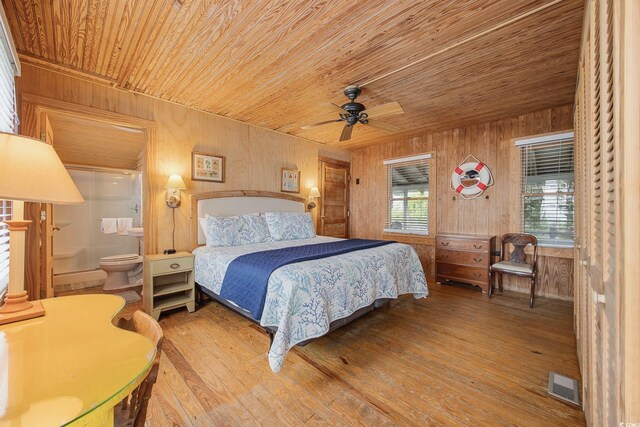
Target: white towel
[124,224]
[108,225]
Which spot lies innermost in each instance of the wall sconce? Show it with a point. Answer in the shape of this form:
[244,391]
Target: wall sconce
[313,194]
[174,185]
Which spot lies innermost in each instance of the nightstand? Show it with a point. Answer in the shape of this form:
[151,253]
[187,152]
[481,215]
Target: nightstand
[168,283]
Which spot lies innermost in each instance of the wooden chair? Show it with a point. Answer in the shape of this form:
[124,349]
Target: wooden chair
[132,411]
[516,264]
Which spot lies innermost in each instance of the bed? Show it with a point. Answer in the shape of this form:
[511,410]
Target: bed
[302,300]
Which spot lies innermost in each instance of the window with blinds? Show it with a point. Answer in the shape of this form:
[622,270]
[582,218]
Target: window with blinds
[547,188]
[5,214]
[9,67]
[408,181]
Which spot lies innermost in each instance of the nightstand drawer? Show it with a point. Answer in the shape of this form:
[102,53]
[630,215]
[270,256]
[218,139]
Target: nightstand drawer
[172,265]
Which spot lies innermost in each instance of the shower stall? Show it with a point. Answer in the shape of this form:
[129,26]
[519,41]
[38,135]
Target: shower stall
[78,242]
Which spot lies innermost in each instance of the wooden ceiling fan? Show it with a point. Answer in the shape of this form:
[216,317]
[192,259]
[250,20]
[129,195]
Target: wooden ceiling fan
[354,112]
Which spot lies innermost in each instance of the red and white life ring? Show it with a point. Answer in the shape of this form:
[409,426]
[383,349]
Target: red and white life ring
[471,179]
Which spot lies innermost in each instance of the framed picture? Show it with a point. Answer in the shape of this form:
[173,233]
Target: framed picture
[290,180]
[206,167]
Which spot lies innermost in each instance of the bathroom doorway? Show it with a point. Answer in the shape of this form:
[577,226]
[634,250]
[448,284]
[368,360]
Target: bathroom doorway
[105,154]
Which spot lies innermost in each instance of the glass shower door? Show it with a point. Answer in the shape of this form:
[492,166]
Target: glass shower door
[80,243]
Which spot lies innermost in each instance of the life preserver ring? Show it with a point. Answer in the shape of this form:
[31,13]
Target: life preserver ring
[474,171]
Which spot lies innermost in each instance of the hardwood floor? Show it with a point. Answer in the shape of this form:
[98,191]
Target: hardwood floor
[454,358]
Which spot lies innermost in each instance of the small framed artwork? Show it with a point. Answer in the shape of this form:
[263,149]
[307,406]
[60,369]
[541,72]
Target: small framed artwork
[290,180]
[207,167]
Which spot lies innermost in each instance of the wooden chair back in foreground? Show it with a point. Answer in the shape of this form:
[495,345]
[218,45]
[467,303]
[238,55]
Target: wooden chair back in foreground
[133,409]
[515,263]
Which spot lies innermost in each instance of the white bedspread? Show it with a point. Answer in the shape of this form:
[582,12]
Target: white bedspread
[304,298]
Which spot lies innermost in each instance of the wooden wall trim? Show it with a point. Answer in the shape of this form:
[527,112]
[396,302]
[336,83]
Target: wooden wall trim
[90,113]
[628,264]
[333,161]
[33,104]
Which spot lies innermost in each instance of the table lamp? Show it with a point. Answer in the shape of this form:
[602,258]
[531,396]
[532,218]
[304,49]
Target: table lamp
[30,171]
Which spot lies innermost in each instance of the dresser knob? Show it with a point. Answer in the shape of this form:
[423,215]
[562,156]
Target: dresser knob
[174,266]
[445,243]
[477,275]
[477,259]
[477,246]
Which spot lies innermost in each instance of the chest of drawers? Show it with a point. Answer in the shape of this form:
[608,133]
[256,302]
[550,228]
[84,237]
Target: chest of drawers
[464,258]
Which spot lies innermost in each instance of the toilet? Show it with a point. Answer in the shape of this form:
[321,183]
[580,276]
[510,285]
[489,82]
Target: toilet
[118,269]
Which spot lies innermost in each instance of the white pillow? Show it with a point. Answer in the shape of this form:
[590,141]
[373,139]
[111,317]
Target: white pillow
[290,225]
[240,230]
[222,230]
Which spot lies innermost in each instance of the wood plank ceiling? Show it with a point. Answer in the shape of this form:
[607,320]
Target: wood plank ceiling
[276,63]
[87,142]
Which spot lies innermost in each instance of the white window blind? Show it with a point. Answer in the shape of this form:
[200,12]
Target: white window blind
[547,187]
[5,214]
[9,68]
[408,182]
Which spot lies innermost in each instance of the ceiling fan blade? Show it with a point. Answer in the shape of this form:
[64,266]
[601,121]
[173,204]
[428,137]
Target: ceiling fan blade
[335,107]
[346,133]
[389,109]
[383,126]
[315,125]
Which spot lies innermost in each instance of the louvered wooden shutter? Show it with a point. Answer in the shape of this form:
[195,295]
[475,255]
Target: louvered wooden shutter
[408,181]
[610,236]
[607,158]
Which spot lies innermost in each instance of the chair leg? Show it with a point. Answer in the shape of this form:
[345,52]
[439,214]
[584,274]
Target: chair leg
[491,274]
[533,291]
[500,281]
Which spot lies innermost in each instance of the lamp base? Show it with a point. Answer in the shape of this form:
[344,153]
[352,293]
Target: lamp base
[17,308]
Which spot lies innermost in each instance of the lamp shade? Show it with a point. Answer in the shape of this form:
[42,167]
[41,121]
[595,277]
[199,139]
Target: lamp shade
[31,171]
[176,181]
[314,193]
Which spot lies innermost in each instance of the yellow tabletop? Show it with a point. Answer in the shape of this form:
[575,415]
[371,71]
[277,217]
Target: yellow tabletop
[70,366]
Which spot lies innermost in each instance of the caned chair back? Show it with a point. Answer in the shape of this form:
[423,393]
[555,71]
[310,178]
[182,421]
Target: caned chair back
[133,410]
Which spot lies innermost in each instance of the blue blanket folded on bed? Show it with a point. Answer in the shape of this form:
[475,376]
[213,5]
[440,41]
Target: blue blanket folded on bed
[245,282]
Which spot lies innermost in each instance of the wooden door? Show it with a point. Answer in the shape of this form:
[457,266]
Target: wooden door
[334,198]
[46,224]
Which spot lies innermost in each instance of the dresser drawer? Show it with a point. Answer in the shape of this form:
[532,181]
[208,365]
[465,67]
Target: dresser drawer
[475,274]
[172,265]
[473,259]
[462,244]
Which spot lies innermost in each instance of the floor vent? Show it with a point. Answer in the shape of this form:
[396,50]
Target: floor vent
[564,388]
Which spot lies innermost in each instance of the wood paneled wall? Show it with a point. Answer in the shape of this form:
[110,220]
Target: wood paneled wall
[254,155]
[492,143]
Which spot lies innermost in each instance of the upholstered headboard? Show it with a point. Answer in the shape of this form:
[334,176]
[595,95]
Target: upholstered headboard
[229,203]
